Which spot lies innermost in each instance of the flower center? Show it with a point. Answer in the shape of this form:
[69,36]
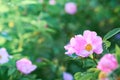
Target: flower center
[102,75]
[88,47]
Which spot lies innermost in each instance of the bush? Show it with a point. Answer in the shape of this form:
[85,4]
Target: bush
[38,31]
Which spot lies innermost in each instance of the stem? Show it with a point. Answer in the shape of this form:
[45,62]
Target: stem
[95,61]
[93,58]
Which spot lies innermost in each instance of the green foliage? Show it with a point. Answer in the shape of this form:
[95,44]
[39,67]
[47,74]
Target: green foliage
[91,74]
[39,31]
[115,74]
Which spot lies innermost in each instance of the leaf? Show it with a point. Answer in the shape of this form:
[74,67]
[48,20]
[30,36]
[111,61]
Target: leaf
[83,76]
[74,56]
[50,30]
[25,2]
[78,75]
[105,50]
[91,74]
[11,71]
[111,33]
[87,76]
[92,70]
[25,79]
[107,44]
[2,40]
[3,9]
[117,49]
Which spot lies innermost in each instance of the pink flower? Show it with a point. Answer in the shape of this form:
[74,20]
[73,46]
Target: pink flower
[4,56]
[107,63]
[52,2]
[85,45]
[25,66]
[67,76]
[70,8]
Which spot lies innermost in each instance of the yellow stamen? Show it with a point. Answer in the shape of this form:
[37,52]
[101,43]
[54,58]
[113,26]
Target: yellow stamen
[102,75]
[88,47]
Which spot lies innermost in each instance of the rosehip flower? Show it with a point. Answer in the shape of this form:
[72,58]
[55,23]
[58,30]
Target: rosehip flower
[85,45]
[4,56]
[67,76]
[107,63]
[52,2]
[25,66]
[70,8]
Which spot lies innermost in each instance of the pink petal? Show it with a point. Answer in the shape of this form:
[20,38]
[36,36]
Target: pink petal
[70,8]
[80,45]
[107,63]
[98,49]
[96,40]
[84,53]
[88,35]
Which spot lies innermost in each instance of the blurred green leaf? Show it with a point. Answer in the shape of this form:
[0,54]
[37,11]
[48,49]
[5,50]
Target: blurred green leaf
[111,33]
[3,8]
[107,44]
[27,2]
[82,76]
[117,53]
[11,71]
[78,75]
[3,40]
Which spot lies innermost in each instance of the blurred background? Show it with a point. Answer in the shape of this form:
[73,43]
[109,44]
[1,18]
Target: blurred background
[39,29]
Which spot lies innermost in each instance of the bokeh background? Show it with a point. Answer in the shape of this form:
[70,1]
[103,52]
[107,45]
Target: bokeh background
[40,30]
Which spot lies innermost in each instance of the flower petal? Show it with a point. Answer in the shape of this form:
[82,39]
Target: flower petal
[98,49]
[88,35]
[84,53]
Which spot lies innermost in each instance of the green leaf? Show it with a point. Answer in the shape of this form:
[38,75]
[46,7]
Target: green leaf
[83,76]
[91,74]
[117,53]
[3,9]
[25,79]
[111,33]
[11,71]
[74,56]
[107,44]
[87,76]
[78,75]
[25,2]
[92,70]
[3,40]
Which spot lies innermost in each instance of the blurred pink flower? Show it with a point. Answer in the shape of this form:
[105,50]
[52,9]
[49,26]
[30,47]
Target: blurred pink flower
[70,8]
[52,2]
[104,79]
[107,63]
[67,76]
[4,56]
[85,45]
[25,66]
